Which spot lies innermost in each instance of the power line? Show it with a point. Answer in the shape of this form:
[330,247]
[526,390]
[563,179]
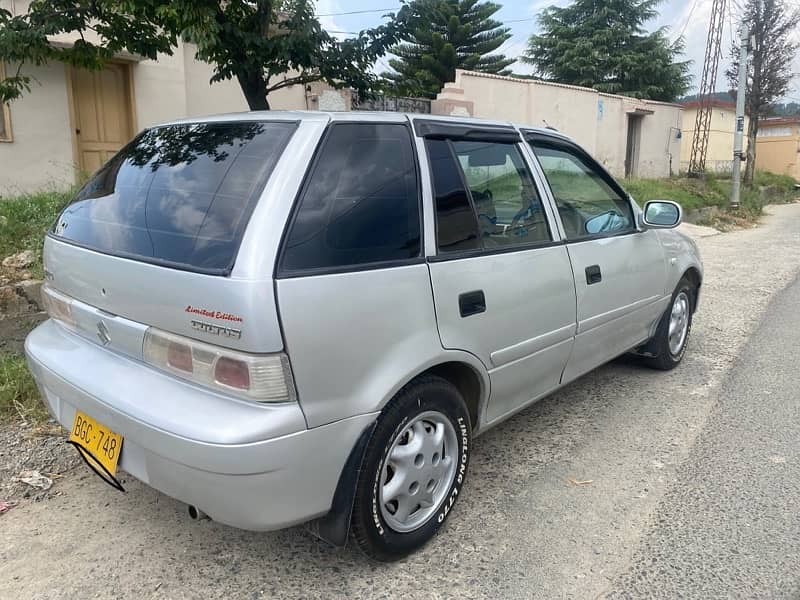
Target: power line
[688,19]
[359,12]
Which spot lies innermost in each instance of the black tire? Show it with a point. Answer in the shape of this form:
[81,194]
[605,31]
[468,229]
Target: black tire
[664,358]
[371,531]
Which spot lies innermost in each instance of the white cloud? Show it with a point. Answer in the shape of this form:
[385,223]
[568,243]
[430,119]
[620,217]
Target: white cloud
[328,7]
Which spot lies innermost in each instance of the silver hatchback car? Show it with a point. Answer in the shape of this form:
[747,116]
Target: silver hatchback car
[280,318]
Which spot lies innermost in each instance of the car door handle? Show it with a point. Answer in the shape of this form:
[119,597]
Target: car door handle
[471,303]
[593,275]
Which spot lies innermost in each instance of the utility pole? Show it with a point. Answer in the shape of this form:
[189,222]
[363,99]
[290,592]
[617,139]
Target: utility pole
[738,136]
[702,125]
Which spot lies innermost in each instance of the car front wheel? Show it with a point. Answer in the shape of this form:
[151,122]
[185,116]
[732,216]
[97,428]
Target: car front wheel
[673,330]
[413,471]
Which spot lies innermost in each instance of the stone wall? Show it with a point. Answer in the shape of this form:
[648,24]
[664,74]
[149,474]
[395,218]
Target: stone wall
[21,306]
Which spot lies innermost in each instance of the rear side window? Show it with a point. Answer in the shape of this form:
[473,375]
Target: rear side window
[360,205]
[179,195]
[509,209]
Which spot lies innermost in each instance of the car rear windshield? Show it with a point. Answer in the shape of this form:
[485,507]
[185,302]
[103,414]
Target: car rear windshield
[179,195]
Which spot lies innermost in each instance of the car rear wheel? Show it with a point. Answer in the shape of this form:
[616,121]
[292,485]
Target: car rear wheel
[673,330]
[414,468]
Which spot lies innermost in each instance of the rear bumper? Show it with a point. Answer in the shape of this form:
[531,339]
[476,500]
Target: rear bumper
[260,484]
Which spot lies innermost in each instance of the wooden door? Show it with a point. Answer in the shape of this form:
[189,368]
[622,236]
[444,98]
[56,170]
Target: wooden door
[103,116]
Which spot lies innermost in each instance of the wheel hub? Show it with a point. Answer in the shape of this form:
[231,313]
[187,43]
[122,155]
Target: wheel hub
[678,323]
[419,470]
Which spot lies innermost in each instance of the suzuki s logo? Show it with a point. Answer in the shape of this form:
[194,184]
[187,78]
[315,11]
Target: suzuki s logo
[102,334]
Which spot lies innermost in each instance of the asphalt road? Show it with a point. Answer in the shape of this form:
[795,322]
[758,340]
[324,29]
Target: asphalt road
[689,485]
[729,525]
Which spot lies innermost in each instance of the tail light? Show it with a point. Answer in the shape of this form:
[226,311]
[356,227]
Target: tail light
[260,378]
[58,306]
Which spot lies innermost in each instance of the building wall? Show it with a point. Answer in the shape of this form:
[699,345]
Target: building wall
[780,154]
[598,122]
[40,155]
[719,155]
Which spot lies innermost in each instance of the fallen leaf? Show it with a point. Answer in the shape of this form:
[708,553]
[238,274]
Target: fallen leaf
[35,479]
[574,481]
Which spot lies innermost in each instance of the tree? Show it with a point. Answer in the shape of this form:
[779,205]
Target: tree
[442,36]
[603,44]
[255,41]
[769,71]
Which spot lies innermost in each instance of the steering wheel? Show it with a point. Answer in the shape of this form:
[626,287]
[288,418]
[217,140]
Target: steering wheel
[530,209]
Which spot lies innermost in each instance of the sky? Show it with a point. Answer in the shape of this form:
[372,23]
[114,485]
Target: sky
[687,17]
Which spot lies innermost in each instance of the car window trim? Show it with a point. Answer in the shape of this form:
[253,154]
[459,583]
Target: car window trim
[279,272]
[440,256]
[562,144]
[464,254]
[447,130]
[372,266]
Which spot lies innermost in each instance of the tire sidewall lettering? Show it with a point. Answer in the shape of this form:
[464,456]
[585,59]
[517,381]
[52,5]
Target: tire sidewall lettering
[463,432]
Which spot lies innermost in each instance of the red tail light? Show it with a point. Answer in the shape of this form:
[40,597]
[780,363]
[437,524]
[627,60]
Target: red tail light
[258,378]
[233,373]
[179,356]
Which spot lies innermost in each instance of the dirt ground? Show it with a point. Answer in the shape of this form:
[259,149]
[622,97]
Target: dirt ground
[523,528]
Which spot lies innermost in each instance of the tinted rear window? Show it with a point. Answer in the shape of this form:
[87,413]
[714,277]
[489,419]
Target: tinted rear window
[179,195]
[361,203]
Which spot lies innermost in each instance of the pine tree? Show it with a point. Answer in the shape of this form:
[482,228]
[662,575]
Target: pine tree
[603,44]
[445,35]
[771,24]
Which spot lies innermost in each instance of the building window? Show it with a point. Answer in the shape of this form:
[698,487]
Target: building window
[774,132]
[5,114]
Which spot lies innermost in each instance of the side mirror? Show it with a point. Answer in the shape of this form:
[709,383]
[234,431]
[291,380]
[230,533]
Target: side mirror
[661,214]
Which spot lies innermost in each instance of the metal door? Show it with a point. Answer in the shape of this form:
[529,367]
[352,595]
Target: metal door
[503,291]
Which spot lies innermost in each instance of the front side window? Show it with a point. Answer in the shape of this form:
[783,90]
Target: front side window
[586,202]
[360,204]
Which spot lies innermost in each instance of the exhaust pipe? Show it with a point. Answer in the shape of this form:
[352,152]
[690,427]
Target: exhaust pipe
[196,514]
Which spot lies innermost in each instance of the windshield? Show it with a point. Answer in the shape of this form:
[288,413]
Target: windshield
[179,195]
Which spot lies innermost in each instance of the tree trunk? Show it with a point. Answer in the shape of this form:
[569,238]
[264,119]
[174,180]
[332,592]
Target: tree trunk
[254,87]
[750,167]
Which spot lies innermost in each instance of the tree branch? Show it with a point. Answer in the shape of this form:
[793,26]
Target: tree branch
[300,79]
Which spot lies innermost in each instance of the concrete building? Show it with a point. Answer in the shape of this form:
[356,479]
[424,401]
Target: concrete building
[72,120]
[719,157]
[634,138]
[778,146]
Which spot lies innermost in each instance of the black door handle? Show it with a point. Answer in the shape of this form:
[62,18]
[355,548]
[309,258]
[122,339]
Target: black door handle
[593,274]
[472,303]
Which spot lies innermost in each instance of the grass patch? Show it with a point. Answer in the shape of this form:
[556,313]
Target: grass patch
[19,396]
[715,192]
[24,220]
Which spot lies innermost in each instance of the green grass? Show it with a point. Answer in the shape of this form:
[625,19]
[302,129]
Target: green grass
[714,191]
[24,220]
[19,396]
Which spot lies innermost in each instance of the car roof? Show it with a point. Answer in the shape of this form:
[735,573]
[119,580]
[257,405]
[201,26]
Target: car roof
[359,116]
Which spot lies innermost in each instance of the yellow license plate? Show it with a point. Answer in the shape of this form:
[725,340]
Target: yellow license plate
[101,444]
